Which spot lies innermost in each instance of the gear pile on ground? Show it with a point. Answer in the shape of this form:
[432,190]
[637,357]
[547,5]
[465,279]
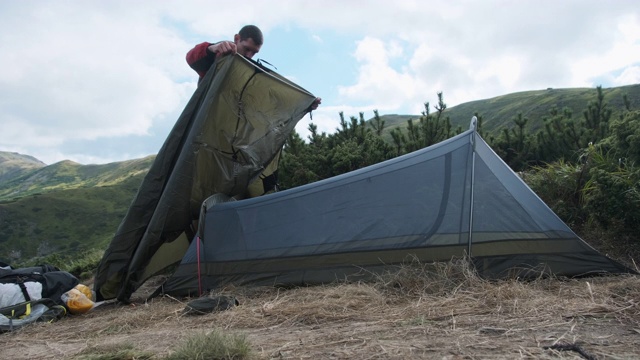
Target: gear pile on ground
[39,293]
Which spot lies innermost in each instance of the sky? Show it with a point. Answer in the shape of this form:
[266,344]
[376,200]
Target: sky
[103,81]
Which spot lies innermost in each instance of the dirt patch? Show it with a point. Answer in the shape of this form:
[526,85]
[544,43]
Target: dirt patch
[449,314]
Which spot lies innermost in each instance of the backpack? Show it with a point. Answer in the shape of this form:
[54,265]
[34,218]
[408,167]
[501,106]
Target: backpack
[53,281]
[43,310]
[32,294]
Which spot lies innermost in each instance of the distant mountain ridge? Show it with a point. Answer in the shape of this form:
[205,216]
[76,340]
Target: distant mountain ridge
[498,112]
[25,178]
[13,165]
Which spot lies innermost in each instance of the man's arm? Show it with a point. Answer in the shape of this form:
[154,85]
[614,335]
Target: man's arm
[200,58]
[203,55]
[316,103]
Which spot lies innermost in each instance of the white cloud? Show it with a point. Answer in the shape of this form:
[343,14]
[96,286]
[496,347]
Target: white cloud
[630,75]
[513,47]
[379,85]
[622,54]
[505,71]
[76,72]
[95,74]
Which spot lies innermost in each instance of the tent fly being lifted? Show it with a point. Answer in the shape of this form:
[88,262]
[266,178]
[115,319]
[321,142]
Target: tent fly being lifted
[228,137]
[456,198]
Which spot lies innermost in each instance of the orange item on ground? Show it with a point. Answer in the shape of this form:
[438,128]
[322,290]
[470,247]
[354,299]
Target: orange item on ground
[77,302]
[85,290]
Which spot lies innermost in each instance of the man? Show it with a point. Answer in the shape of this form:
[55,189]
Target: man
[247,42]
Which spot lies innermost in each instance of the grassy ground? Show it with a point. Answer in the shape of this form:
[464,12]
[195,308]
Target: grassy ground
[439,311]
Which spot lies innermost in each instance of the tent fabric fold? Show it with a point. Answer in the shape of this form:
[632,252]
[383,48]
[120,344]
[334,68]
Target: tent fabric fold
[232,128]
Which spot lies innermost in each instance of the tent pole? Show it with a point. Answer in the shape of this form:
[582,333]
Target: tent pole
[473,126]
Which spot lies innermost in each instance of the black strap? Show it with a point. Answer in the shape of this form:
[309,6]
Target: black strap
[21,279]
[25,293]
[270,182]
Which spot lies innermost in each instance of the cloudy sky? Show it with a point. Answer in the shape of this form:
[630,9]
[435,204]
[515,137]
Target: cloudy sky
[102,81]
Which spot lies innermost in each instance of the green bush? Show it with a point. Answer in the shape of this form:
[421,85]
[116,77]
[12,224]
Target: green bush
[612,194]
[559,186]
[624,141]
[82,264]
[601,191]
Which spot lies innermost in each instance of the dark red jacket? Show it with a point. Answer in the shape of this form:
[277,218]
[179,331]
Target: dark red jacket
[200,59]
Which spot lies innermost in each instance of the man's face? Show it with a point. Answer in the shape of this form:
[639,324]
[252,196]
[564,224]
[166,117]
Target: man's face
[247,47]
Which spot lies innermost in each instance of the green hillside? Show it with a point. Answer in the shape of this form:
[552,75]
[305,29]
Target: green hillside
[69,220]
[69,175]
[13,165]
[498,112]
[65,207]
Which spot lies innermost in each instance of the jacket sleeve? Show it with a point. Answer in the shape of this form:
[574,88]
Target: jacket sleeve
[200,58]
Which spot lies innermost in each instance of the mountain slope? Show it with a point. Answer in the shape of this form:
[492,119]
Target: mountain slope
[65,207]
[13,165]
[69,175]
[499,112]
[69,221]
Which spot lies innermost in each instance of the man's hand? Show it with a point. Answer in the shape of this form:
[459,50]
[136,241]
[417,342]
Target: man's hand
[316,103]
[223,48]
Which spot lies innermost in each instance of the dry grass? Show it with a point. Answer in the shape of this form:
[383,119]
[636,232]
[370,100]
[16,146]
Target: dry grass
[419,311]
[214,344]
[114,352]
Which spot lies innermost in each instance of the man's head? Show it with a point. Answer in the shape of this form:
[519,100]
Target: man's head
[248,41]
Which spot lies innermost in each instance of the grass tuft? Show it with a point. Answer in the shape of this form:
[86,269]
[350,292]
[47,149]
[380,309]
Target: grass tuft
[115,352]
[213,345]
[415,278]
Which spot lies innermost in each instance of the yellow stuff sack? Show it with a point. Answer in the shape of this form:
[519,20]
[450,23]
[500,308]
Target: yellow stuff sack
[77,302]
[86,291]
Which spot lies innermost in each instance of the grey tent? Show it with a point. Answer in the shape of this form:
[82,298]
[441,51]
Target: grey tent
[227,138]
[452,199]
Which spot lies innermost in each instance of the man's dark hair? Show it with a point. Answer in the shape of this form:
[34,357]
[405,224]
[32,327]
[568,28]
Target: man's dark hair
[251,32]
